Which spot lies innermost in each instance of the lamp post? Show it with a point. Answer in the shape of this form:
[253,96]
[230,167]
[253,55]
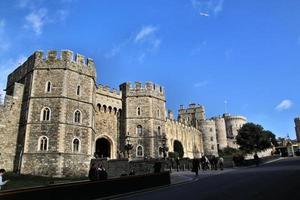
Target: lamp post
[165,148]
[128,146]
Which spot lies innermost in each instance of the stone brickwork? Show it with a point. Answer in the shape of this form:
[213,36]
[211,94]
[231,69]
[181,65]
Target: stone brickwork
[55,119]
[9,127]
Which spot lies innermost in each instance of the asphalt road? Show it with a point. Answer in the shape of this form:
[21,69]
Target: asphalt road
[277,180]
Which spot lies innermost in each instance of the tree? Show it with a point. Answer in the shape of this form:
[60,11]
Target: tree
[252,138]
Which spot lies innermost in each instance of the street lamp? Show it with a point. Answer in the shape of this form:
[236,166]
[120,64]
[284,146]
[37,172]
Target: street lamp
[165,148]
[128,146]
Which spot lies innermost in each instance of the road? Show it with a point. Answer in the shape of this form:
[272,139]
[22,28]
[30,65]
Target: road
[276,180]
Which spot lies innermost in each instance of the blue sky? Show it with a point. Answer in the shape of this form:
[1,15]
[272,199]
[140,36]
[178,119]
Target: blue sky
[204,51]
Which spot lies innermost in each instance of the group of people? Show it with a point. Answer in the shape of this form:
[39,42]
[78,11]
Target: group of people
[97,172]
[205,163]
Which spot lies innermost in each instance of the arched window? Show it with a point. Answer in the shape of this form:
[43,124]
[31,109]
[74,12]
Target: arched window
[48,87]
[46,114]
[138,111]
[158,130]
[139,130]
[139,151]
[43,143]
[76,145]
[158,113]
[78,90]
[77,116]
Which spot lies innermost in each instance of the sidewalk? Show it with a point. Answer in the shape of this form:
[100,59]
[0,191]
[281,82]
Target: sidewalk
[188,176]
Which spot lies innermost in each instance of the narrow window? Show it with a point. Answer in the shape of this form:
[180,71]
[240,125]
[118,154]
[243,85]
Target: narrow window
[43,143]
[46,114]
[78,90]
[77,116]
[48,87]
[76,145]
[211,139]
[158,113]
[138,111]
[212,147]
[139,130]
[139,151]
[158,130]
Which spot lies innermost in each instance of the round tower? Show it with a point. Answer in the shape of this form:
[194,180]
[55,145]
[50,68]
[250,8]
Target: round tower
[144,109]
[233,125]
[221,132]
[208,129]
[297,128]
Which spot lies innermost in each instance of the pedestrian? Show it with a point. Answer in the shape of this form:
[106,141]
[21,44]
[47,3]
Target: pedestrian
[157,167]
[195,167]
[177,163]
[102,174]
[93,172]
[2,172]
[132,172]
[256,159]
[221,162]
[215,162]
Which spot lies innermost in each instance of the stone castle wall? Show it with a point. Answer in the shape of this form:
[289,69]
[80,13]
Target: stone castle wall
[9,127]
[104,113]
[189,137]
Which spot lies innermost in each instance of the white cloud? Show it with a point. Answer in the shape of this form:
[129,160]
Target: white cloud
[208,7]
[201,84]
[4,41]
[145,32]
[284,105]
[36,20]
[142,43]
[7,67]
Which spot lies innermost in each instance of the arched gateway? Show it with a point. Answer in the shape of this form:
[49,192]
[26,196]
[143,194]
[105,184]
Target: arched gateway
[103,148]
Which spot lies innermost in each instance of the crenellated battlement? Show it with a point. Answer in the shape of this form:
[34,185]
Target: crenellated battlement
[106,90]
[182,125]
[64,59]
[140,89]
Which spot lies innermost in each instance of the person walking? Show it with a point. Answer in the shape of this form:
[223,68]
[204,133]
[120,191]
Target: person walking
[93,172]
[256,159]
[221,163]
[102,174]
[2,172]
[195,167]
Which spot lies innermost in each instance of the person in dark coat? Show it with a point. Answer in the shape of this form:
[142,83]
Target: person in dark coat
[256,159]
[93,172]
[195,166]
[102,174]
[157,167]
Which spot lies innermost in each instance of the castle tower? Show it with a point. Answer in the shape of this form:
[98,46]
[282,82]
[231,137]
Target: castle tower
[297,128]
[144,112]
[208,129]
[192,115]
[221,132]
[233,124]
[58,113]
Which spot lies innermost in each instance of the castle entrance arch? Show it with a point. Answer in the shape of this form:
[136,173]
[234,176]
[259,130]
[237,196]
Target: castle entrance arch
[103,148]
[178,148]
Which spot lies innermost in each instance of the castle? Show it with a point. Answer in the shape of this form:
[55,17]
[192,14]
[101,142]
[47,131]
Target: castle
[55,118]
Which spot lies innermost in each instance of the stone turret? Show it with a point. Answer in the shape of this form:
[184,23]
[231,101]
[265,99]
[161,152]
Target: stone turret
[208,129]
[145,113]
[221,132]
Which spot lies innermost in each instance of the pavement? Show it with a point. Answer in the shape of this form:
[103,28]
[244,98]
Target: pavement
[279,179]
